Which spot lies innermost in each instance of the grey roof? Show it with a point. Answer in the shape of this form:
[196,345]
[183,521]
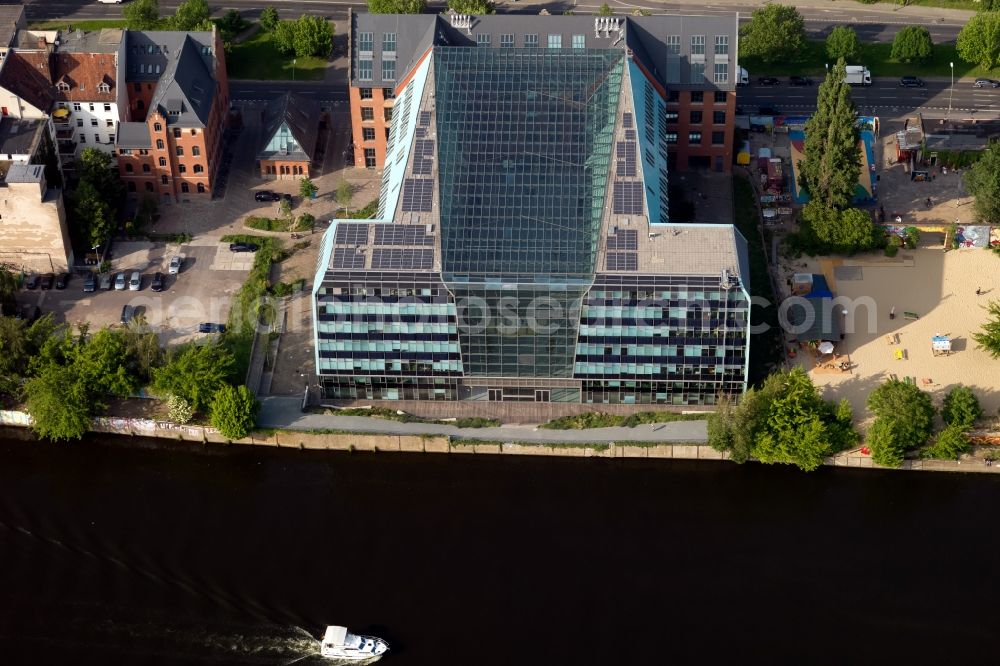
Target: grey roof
[133,135]
[25,173]
[10,16]
[149,53]
[645,36]
[824,319]
[19,137]
[301,116]
[106,40]
[185,91]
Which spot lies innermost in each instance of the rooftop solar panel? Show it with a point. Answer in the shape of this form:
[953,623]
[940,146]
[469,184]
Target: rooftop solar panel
[424,119]
[625,152]
[624,239]
[418,195]
[351,233]
[630,135]
[627,199]
[402,259]
[347,257]
[623,261]
[398,234]
[627,120]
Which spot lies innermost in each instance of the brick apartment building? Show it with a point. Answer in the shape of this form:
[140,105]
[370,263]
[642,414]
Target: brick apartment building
[178,105]
[693,61]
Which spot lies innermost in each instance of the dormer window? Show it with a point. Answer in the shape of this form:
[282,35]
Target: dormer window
[63,86]
[104,87]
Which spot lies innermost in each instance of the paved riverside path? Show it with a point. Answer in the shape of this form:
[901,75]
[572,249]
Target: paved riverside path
[282,412]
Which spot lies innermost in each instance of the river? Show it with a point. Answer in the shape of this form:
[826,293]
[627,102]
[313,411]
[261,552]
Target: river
[121,551]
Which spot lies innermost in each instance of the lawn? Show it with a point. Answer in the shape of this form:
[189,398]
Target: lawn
[875,57]
[257,58]
[86,26]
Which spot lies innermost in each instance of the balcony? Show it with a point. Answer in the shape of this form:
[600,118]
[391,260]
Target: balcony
[67,148]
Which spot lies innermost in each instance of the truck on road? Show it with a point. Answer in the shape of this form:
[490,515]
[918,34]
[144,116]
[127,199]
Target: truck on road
[744,77]
[858,75]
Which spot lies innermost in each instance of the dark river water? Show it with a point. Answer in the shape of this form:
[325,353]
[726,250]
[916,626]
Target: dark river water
[125,552]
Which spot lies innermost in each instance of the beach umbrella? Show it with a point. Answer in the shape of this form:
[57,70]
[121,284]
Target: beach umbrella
[826,347]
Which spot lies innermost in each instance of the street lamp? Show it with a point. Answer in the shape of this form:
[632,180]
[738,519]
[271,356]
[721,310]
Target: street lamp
[293,68]
[951,91]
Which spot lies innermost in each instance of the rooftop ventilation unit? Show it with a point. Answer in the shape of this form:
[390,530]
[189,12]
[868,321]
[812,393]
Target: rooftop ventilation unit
[462,22]
[607,25]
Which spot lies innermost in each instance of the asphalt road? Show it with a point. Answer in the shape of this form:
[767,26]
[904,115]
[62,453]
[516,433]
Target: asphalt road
[871,24]
[262,91]
[883,97]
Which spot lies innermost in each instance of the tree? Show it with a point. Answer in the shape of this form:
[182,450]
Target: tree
[884,443]
[313,37]
[843,43]
[795,431]
[912,43]
[234,411]
[58,403]
[284,37]
[983,182]
[101,365]
[191,15]
[269,18]
[195,373]
[605,10]
[988,339]
[142,348]
[842,232]
[93,214]
[829,170]
[344,193]
[979,41]
[98,168]
[142,14]
[397,6]
[179,410]
[961,408]
[473,7]
[774,33]
[307,188]
[306,222]
[907,409]
[950,444]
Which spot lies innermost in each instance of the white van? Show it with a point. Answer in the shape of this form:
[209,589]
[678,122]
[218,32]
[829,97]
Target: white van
[110,2]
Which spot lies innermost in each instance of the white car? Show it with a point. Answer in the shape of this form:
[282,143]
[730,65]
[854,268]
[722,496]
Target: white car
[120,282]
[175,264]
[135,282]
[110,2]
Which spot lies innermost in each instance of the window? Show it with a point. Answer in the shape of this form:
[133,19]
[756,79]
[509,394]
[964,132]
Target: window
[97,138]
[182,168]
[125,151]
[388,93]
[128,168]
[163,180]
[196,151]
[722,72]
[721,97]
[555,41]
[184,187]
[365,70]
[76,106]
[201,188]
[506,41]
[695,117]
[93,122]
[149,186]
[157,127]
[387,114]
[697,44]
[107,107]
[670,116]
[177,132]
[531,41]
[694,137]
[579,41]
[722,45]
[163,161]
[369,158]
[145,168]
[111,138]
[367,113]
[180,151]
[389,42]
[366,93]
[143,151]
[199,168]
[483,39]
[83,138]
[91,105]
[366,42]
[718,138]
[718,117]
[673,44]
[673,96]
[368,133]
[697,96]
[670,137]
[109,123]
[697,71]
[388,70]
[79,122]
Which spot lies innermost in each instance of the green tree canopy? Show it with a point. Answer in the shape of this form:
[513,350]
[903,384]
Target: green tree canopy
[988,338]
[912,44]
[884,441]
[843,42]
[93,214]
[284,37]
[840,232]
[605,10]
[774,33]
[983,183]
[908,410]
[269,18]
[142,14]
[961,408]
[234,411]
[307,188]
[950,444]
[101,365]
[344,193]
[473,7]
[979,41]
[195,373]
[191,15]
[397,6]
[829,170]
[313,37]
[59,404]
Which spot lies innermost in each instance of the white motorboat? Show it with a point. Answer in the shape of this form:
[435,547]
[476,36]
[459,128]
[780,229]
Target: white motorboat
[338,643]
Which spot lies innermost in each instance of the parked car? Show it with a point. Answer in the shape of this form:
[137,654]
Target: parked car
[800,80]
[175,264]
[135,282]
[120,282]
[266,195]
[767,81]
[157,283]
[105,280]
[62,280]
[206,327]
[242,247]
[911,82]
[127,313]
[46,281]
[986,83]
[89,282]
[31,282]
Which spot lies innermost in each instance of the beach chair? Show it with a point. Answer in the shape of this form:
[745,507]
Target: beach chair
[899,354]
[926,381]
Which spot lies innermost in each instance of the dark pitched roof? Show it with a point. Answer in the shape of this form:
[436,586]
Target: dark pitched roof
[820,317]
[10,16]
[133,135]
[27,74]
[185,91]
[300,115]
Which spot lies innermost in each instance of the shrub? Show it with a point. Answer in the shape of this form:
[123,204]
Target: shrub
[179,410]
[961,408]
[950,444]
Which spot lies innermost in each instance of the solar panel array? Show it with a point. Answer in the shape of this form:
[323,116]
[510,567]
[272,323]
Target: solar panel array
[623,239]
[630,135]
[348,257]
[403,259]
[421,132]
[351,233]
[424,119]
[423,157]
[625,153]
[626,199]
[626,120]
[623,261]
[418,195]
[399,234]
